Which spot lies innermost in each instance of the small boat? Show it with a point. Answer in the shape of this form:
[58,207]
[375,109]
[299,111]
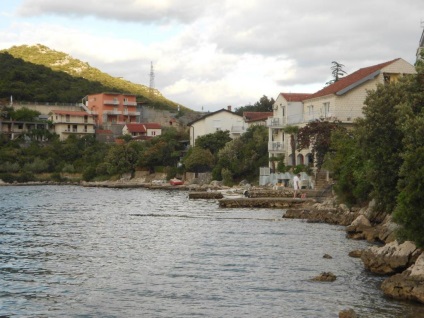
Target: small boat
[176,181]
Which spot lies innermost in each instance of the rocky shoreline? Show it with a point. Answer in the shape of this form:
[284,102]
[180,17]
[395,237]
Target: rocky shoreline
[402,263]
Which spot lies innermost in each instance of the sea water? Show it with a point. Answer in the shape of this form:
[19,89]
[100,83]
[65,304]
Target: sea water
[70,251]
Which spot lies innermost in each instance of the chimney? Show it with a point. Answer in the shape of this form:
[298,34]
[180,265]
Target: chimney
[229,107]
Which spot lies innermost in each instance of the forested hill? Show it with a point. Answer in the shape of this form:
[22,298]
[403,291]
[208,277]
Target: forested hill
[39,74]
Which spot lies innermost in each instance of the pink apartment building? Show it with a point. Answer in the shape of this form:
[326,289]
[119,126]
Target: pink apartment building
[112,108]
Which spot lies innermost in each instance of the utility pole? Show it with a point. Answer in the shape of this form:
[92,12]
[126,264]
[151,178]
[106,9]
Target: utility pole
[152,79]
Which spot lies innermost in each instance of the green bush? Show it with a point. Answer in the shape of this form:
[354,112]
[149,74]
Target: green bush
[89,174]
[227,177]
[7,177]
[26,177]
[9,167]
[68,168]
[55,176]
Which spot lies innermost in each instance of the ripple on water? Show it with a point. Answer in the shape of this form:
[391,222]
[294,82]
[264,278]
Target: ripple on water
[72,251]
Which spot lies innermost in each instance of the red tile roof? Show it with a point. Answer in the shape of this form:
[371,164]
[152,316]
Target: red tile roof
[295,97]
[351,79]
[152,126]
[256,116]
[136,128]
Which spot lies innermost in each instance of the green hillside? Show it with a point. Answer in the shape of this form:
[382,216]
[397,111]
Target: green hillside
[37,73]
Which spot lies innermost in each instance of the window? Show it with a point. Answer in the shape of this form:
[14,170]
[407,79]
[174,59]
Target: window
[68,118]
[86,119]
[326,109]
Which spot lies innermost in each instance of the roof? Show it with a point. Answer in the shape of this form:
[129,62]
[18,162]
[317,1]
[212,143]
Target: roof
[152,126]
[211,114]
[352,80]
[256,116]
[71,113]
[136,128]
[142,128]
[295,97]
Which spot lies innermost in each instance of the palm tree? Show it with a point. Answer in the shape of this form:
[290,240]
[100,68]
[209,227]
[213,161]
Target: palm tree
[292,131]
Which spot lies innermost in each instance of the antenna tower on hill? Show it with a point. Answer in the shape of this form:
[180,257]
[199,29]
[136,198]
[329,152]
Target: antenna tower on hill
[152,79]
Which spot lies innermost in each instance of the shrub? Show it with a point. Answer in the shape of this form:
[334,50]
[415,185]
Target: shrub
[7,177]
[26,177]
[89,174]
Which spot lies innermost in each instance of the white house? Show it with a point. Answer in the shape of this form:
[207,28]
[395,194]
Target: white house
[223,119]
[287,110]
[342,101]
[147,130]
[68,123]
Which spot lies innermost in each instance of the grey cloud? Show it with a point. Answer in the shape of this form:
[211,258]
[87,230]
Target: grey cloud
[121,10]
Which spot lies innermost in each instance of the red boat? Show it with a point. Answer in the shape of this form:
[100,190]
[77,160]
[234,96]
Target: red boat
[176,181]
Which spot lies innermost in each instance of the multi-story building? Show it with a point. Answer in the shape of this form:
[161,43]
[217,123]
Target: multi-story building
[13,129]
[112,108]
[342,101]
[67,123]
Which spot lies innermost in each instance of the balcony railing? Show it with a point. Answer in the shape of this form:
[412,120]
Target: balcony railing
[126,112]
[237,129]
[112,112]
[276,122]
[276,146]
[111,102]
[130,103]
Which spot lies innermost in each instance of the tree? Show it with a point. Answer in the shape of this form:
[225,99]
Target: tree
[198,160]
[24,114]
[263,105]
[337,72]
[317,136]
[349,168]
[122,158]
[409,211]
[381,138]
[213,142]
[242,157]
[292,131]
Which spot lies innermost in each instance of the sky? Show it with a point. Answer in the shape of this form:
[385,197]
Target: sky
[207,55]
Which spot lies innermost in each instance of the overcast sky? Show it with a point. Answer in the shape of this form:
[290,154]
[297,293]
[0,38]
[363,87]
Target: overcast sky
[211,54]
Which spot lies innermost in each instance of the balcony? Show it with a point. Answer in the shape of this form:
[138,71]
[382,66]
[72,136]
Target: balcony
[111,102]
[276,122]
[112,112]
[237,129]
[126,103]
[127,113]
[276,146]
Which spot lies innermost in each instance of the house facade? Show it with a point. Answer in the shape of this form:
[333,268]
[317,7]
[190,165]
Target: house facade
[13,129]
[148,130]
[342,101]
[68,123]
[112,108]
[223,119]
[287,111]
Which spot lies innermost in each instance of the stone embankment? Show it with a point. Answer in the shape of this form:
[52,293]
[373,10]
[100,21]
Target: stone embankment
[402,262]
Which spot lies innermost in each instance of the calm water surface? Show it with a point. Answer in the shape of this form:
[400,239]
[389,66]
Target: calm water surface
[68,251]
